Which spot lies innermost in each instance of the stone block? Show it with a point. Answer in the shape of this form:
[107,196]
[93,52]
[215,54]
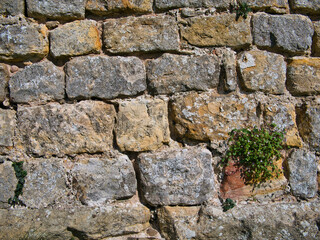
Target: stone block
[306,7]
[218,30]
[302,166]
[74,39]
[165,4]
[262,71]
[141,34]
[228,74]
[22,39]
[105,77]
[272,6]
[169,177]
[8,182]
[4,79]
[56,9]
[177,73]
[303,76]
[142,124]
[38,82]
[7,128]
[56,129]
[316,39]
[12,7]
[283,33]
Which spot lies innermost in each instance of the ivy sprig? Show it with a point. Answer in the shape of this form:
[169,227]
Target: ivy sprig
[20,175]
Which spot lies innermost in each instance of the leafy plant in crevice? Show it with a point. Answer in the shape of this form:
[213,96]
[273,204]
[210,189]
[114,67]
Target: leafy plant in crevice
[255,153]
[20,175]
[228,204]
[241,9]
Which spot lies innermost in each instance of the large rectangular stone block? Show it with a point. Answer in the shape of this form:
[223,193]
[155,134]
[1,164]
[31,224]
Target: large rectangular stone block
[12,7]
[165,4]
[316,39]
[306,6]
[4,79]
[7,128]
[272,6]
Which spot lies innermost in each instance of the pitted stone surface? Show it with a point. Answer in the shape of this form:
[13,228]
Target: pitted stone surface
[12,7]
[287,33]
[7,127]
[8,182]
[56,129]
[228,73]
[306,6]
[273,6]
[176,73]
[165,4]
[141,34]
[176,177]
[316,39]
[38,82]
[4,79]
[75,38]
[105,77]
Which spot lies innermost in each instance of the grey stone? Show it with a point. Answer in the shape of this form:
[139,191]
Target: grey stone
[165,4]
[176,73]
[7,128]
[38,82]
[8,182]
[12,7]
[306,6]
[56,9]
[105,77]
[169,177]
[74,39]
[288,33]
[21,39]
[4,79]
[228,73]
[141,34]
[302,166]
[316,39]
[100,179]
[272,6]
[55,129]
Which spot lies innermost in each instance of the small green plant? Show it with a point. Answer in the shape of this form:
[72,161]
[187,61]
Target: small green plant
[242,9]
[255,152]
[228,204]
[20,175]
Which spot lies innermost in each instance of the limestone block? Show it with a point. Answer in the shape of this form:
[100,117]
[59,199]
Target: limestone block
[263,71]
[141,34]
[289,33]
[218,30]
[106,7]
[177,73]
[21,39]
[210,116]
[105,77]
[38,82]
[56,9]
[56,129]
[273,6]
[8,182]
[316,39]
[304,76]
[303,173]
[228,73]
[308,120]
[75,38]
[12,7]
[169,177]
[306,7]
[165,4]
[142,124]
[4,79]
[7,128]
[97,180]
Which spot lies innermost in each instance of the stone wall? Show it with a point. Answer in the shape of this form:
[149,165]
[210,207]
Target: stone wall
[120,111]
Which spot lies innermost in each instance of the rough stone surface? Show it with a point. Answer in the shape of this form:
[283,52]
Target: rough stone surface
[106,7]
[263,71]
[306,6]
[4,79]
[228,73]
[165,4]
[308,120]
[56,129]
[8,182]
[141,34]
[210,116]
[105,77]
[38,82]
[22,40]
[7,128]
[142,124]
[177,73]
[56,9]
[170,177]
[302,166]
[74,39]
[304,76]
[218,30]
[273,6]
[316,39]
[100,179]
[12,7]
[287,33]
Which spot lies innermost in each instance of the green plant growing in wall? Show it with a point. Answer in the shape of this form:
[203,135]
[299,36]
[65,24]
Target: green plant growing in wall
[20,175]
[242,9]
[228,204]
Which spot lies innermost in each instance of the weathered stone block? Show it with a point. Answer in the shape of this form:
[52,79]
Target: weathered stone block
[307,7]
[141,34]
[316,39]
[106,7]
[21,39]
[76,38]
[56,129]
[218,30]
[303,173]
[105,77]
[12,7]
[263,71]
[273,6]
[210,116]
[165,4]
[100,179]
[38,82]
[177,73]
[7,127]
[288,33]
[56,9]
[4,79]
[142,124]
[228,73]
[170,177]
[8,182]
[304,76]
